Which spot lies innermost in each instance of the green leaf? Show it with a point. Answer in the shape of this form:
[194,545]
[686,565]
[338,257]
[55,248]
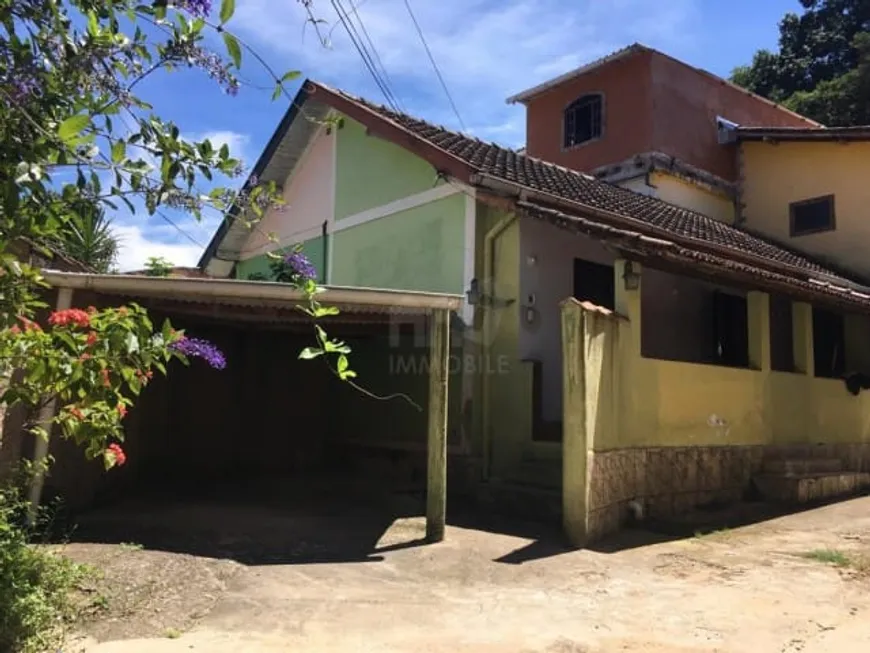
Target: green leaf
[310,352]
[290,75]
[228,8]
[233,48]
[322,311]
[93,25]
[119,151]
[73,126]
[277,92]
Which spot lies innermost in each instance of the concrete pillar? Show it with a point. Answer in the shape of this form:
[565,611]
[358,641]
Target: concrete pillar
[802,330]
[628,302]
[46,415]
[758,313]
[436,480]
[575,485]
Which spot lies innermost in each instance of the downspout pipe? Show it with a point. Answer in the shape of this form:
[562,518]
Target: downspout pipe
[46,414]
[489,268]
[325,237]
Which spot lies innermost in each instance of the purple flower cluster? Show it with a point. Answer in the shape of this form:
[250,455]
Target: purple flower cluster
[198,348]
[301,266]
[196,7]
[214,66]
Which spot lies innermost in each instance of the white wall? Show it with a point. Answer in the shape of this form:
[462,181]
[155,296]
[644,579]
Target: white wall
[550,279]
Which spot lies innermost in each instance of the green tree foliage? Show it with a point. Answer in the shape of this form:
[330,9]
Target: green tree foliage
[822,68]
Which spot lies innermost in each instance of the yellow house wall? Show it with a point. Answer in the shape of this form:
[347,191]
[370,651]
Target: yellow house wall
[774,175]
[668,403]
[675,190]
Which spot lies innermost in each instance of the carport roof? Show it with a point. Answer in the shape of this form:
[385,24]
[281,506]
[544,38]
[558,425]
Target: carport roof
[233,292]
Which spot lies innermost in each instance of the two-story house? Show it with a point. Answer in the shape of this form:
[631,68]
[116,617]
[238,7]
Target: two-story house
[664,381]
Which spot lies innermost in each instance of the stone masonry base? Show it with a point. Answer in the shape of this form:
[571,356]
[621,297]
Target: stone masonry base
[667,481]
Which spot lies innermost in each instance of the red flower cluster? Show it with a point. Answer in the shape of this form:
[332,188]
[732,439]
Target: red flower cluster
[29,325]
[74,316]
[117,452]
[92,339]
[144,377]
[85,357]
[77,413]
[123,311]
[107,382]
[14,329]
[122,410]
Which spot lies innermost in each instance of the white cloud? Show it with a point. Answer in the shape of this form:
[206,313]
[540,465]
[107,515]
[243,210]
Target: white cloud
[486,49]
[136,247]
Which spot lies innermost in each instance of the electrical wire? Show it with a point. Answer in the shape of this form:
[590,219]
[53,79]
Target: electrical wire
[434,64]
[387,81]
[364,53]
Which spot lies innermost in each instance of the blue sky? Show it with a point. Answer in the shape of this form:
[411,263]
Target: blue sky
[486,49]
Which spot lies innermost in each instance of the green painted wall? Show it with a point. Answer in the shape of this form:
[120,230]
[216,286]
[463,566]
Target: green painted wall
[418,249]
[372,172]
[313,249]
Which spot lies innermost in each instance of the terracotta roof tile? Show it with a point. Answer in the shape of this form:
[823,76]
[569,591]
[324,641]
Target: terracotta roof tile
[536,174]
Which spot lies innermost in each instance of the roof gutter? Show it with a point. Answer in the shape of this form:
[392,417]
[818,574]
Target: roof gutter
[251,290]
[524,193]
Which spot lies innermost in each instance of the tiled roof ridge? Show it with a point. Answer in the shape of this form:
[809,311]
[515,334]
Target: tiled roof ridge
[598,195]
[383,109]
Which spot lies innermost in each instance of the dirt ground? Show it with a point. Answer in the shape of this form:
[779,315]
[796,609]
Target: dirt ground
[270,579]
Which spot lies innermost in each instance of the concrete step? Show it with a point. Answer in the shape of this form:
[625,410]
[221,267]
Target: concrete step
[803,488]
[798,466]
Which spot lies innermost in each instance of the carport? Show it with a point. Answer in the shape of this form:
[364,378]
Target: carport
[254,312]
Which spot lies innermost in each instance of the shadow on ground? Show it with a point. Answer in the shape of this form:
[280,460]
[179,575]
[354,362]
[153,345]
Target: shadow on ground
[328,521]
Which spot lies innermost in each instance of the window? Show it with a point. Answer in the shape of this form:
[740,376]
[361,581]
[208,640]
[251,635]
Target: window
[812,216]
[594,282]
[731,329]
[583,120]
[829,344]
[781,334]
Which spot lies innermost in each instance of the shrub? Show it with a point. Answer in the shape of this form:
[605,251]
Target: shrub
[36,582]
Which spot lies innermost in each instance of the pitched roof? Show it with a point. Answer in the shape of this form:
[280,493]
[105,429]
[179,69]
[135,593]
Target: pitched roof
[581,197]
[526,171]
[855,133]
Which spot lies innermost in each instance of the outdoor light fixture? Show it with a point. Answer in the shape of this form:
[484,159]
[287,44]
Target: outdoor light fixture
[630,277]
[475,297]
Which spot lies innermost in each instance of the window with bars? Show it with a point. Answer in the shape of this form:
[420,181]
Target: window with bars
[583,120]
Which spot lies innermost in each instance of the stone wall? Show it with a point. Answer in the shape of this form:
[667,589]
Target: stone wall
[668,481]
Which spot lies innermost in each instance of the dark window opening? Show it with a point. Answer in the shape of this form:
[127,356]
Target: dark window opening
[594,282]
[812,216]
[829,344]
[781,334]
[730,330]
[583,120]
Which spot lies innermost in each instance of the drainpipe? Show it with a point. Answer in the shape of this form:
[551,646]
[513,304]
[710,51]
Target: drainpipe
[325,237]
[489,241]
[46,414]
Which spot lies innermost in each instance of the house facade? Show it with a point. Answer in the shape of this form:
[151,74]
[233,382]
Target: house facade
[678,313]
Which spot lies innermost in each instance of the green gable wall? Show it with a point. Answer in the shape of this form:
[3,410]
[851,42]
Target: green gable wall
[257,265]
[418,249]
[371,172]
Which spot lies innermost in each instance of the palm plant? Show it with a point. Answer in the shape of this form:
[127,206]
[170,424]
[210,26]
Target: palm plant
[87,237]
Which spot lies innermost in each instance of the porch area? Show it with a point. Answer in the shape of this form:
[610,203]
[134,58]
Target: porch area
[645,437]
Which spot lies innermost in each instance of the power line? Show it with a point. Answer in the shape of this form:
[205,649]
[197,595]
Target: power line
[363,52]
[387,81]
[434,64]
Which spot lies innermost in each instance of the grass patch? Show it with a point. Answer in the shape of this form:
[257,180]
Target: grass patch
[721,532]
[131,546]
[172,633]
[829,557]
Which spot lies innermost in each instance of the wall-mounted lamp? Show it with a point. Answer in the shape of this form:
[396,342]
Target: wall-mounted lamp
[630,277]
[476,297]
[531,260]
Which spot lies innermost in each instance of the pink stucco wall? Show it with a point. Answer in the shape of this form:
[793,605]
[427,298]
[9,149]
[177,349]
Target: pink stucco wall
[310,200]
